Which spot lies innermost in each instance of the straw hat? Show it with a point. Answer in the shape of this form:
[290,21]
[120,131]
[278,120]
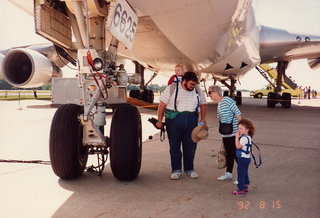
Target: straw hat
[199,133]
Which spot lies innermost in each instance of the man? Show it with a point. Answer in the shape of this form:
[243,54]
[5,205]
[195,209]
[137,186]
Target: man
[181,102]
[227,112]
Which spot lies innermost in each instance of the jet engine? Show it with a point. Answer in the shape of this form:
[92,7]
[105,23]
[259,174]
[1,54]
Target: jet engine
[1,59]
[314,63]
[25,68]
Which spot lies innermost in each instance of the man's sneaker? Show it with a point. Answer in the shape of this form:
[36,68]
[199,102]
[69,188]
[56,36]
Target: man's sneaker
[225,176]
[236,182]
[192,175]
[176,175]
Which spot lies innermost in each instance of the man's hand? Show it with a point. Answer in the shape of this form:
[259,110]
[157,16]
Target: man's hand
[159,125]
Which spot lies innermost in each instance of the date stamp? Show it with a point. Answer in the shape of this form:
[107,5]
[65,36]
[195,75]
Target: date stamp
[246,205]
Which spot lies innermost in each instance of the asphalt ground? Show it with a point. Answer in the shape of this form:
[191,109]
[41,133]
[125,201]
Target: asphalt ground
[286,185]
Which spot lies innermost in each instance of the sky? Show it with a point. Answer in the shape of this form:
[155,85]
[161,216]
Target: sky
[17,28]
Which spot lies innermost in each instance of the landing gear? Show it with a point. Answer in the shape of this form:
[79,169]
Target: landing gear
[274,98]
[148,96]
[143,95]
[231,87]
[126,143]
[67,153]
[134,93]
[78,130]
[286,100]
[239,98]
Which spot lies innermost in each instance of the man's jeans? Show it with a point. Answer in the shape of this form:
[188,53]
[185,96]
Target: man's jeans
[179,131]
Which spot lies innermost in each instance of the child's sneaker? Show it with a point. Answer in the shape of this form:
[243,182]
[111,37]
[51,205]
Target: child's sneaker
[238,193]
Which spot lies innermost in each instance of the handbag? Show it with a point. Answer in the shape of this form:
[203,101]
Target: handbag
[226,128]
[221,160]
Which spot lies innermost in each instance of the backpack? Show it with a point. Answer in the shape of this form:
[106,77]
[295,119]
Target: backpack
[253,157]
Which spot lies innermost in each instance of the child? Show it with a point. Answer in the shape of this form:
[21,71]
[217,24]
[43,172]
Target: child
[179,72]
[243,145]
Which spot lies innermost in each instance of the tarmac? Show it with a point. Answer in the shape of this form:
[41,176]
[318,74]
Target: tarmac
[286,185]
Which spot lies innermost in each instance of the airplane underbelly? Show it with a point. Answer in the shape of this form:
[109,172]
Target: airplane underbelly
[196,33]
[192,27]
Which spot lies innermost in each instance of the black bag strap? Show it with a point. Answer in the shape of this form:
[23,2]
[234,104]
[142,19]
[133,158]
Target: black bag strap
[232,116]
[254,158]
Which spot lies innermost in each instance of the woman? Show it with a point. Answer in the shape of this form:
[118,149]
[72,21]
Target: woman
[227,112]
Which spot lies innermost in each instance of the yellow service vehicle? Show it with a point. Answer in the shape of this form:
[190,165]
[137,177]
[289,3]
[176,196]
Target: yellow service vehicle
[264,92]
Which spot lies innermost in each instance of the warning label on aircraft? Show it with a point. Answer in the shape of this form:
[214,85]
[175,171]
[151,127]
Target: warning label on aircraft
[122,22]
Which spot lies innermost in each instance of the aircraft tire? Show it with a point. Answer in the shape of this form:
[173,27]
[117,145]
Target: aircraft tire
[134,94]
[126,143]
[150,96]
[67,154]
[271,100]
[286,100]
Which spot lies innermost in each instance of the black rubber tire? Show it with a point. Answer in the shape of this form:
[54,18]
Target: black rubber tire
[150,96]
[134,94]
[286,100]
[258,95]
[126,143]
[271,100]
[67,154]
[239,98]
[147,96]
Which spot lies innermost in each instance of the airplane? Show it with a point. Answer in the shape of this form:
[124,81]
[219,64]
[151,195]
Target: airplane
[218,41]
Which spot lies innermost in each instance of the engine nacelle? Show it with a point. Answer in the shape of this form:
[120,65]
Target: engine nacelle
[1,59]
[314,63]
[25,68]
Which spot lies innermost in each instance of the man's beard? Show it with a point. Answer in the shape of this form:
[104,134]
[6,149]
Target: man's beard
[186,87]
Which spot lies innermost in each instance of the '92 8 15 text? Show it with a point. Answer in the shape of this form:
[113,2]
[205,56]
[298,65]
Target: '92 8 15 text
[246,205]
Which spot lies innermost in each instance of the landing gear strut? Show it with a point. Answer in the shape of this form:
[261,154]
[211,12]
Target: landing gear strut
[78,130]
[275,97]
[143,93]
[232,88]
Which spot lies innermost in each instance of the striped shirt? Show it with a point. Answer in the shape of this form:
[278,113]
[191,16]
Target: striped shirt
[186,100]
[227,109]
